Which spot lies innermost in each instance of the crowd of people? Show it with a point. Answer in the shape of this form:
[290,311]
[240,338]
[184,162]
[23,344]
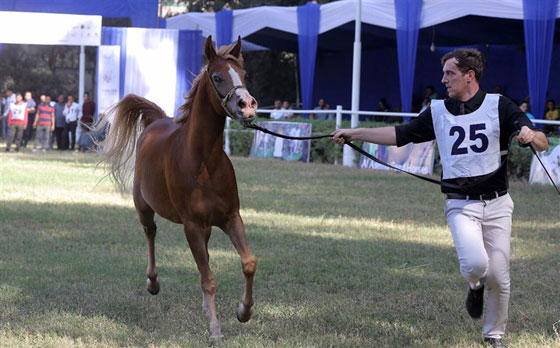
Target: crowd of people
[64,122]
[283,110]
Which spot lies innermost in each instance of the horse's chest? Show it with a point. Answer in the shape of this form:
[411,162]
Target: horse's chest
[211,197]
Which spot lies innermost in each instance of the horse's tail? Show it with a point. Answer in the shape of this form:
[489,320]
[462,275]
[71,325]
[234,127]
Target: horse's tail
[130,116]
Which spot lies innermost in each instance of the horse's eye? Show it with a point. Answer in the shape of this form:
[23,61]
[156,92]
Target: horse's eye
[217,79]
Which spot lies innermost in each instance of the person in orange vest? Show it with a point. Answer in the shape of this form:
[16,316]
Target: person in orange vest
[17,120]
[44,124]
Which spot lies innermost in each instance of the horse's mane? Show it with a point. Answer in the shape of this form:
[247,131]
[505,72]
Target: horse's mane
[225,53]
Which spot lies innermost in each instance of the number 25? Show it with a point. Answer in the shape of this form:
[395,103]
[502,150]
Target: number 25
[473,135]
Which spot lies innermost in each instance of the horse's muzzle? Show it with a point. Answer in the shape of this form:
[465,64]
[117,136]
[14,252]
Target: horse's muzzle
[246,107]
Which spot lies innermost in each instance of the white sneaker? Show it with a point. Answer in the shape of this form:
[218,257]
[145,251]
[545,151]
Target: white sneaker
[34,150]
[44,150]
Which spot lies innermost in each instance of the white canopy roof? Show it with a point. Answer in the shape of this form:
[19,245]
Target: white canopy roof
[375,12]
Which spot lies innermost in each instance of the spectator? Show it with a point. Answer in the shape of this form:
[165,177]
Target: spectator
[322,106]
[72,112]
[29,132]
[100,130]
[10,98]
[2,118]
[88,111]
[431,93]
[551,115]
[86,123]
[287,113]
[277,113]
[59,125]
[383,106]
[17,119]
[524,106]
[44,124]
[426,104]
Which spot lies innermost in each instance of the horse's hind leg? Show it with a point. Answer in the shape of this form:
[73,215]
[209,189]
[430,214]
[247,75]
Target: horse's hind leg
[236,232]
[197,237]
[146,215]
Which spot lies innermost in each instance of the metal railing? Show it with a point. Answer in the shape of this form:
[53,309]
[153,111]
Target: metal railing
[338,119]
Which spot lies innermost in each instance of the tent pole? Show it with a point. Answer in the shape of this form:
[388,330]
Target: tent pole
[81,88]
[296,57]
[349,156]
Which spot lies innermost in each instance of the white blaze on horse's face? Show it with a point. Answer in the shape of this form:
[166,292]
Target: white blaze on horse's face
[244,104]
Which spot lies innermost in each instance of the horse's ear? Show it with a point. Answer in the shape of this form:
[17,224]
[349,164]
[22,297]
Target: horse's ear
[209,50]
[236,51]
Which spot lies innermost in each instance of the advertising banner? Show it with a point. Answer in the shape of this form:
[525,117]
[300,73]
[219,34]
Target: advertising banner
[50,29]
[108,73]
[551,160]
[268,146]
[414,158]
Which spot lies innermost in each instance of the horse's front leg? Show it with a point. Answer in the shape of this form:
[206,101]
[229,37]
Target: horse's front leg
[197,237]
[236,232]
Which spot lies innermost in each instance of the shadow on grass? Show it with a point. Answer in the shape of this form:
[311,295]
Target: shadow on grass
[77,270]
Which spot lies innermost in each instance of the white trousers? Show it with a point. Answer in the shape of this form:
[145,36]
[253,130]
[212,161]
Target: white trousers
[481,232]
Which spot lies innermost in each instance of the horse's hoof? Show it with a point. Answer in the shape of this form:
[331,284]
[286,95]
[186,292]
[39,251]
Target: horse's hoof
[152,286]
[243,315]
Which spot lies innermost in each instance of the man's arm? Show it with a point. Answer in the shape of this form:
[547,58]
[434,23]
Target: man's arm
[381,135]
[52,121]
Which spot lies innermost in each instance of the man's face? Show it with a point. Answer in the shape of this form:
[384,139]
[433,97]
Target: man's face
[550,105]
[61,99]
[86,96]
[321,102]
[454,80]
[523,107]
[277,104]
[47,100]
[19,98]
[70,99]
[286,105]
[27,96]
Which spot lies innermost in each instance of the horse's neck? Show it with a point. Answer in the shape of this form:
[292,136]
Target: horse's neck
[204,129]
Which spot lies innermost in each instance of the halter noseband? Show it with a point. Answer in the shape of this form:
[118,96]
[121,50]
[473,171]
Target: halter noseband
[226,98]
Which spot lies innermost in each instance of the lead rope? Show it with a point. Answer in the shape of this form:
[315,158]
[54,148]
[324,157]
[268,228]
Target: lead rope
[425,178]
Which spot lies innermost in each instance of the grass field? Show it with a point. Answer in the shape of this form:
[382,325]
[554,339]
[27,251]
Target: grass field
[347,258]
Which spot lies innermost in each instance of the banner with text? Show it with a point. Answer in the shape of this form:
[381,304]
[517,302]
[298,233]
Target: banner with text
[108,73]
[33,28]
[551,160]
[414,158]
[269,146]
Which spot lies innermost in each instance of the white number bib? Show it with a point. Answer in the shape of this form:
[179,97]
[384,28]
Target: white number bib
[469,145]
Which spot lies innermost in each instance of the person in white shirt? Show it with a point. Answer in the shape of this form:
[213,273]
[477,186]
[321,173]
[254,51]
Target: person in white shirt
[287,113]
[277,113]
[72,112]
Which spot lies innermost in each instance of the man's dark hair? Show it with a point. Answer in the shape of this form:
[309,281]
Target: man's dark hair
[467,59]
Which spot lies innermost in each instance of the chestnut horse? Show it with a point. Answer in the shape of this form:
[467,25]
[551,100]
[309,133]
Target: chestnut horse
[181,171]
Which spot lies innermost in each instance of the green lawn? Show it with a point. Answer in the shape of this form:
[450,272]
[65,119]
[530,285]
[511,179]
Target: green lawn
[347,258]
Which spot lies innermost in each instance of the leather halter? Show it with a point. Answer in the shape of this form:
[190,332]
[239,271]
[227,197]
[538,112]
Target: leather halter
[226,98]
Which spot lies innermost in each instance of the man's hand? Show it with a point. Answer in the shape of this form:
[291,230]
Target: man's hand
[526,135]
[340,135]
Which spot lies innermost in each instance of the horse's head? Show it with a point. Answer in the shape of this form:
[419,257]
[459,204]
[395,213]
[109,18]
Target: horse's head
[226,75]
